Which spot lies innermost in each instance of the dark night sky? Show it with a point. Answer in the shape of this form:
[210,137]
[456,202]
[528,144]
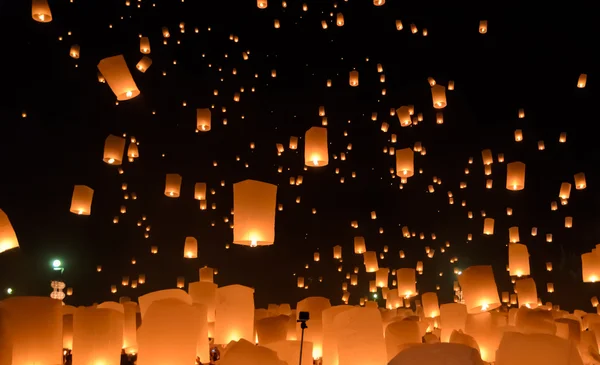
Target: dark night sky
[524,61]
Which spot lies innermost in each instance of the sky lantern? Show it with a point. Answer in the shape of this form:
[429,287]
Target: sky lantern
[353,78]
[81,202]
[293,143]
[488,226]
[337,252]
[261,4]
[8,237]
[172,185]
[483,26]
[370,261]
[518,259]
[403,114]
[526,292]
[513,234]
[487,157]
[200,191]
[254,204]
[580,182]
[133,150]
[117,75]
[114,148]
[431,306]
[590,267]
[98,334]
[144,64]
[203,119]
[405,164]
[74,52]
[234,314]
[360,246]
[145,45]
[479,289]
[438,94]
[190,248]
[515,176]
[40,11]
[382,277]
[315,147]
[581,81]
[565,191]
[406,280]
[339,19]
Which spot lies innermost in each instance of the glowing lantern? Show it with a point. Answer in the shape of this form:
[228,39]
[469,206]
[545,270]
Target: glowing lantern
[488,226]
[431,307]
[590,267]
[261,4]
[354,78]
[300,282]
[438,94]
[359,337]
[565,191]
[75,51]
[568,222]
[133,151]
[315,147]
[317,257]
[337,252]
[370,260]
[117,75]
[339,19]
[518,135]
[403,114]
[382,277]
[360,246]
[515,176]
[479,289]
[513,234]
[550,287]
[526,292]
[518,259]
[114,148]
[580,182]
[190,248]
[145,45]
[405,163]
[81,202]
[254,204]
[582,81]
[172,185]
[483,26]
[144,64]
[8,237]
[521,113]
[203,119]
[406,279]
[399,25]
[40,11]
[200,191]
[487,157]
[234,314]
[293,143]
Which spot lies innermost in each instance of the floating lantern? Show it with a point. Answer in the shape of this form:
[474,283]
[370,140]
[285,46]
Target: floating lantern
[254,204]
[40,11]
[479,289]
[488,226]
[81,202]
[74,51]
[144,64]
[117,75]
[145,45]
[114,148]
[406,279]
[518,259]
[203,119]
[438,94]
[315,147]
[8,237]
[581,81]
[483,26]
[190,248]
[172,185]
[405,163]
[354,78]
[515,176]
[261,4]
[580,182]
[360,246]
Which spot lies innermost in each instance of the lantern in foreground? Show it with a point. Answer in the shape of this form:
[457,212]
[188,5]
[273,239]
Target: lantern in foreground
[479,289]
[203,119]
[234,314]
[40,11]
[254,204]
[590,267]
[8,237]
[114,148]
[438,94]
[405,164]
[354,78]
[315,147]
[515,176]
[81,202]
[190,248]
[117,75]
[173,185]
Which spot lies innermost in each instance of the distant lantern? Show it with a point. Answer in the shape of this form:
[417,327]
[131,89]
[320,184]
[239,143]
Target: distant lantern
[479,289]
[360,246]
[515,176]
[133,151]
[300,282]
[518,135]
[114,148]
[339,19]
[40,11]
[488,226]
[75,51]
[483,26]
[450,85]
[203,119]
[403,114]
[172,185]
[254,204]
[565,191]
[582,81]
[405,164]
[315,147]
[513,234]
[145,45]
[200,191]
[337,252]
[316,257]
[8,237]
[190,248]
[354,78]
[144,64]
[518,259]
[261,4]
[487,157]
[438,94]
[180,282]
[580,182]
[399,25]
[165,32]
[276,24]
[117,75]
[81,202]
[293,143]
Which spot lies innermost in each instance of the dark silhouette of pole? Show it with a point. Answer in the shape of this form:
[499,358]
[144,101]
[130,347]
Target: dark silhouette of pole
[303,326]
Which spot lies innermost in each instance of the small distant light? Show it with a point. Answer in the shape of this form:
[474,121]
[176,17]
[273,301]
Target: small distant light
[375,296]
[9,291]
[56,263]
[459,273]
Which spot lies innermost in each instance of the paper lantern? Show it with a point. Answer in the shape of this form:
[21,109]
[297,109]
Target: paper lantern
[234,314]
[405,163]
[190,248]
[438,94]
[203,119]
[353,78]
[133,151]
[479,289]
[370,261]
[406,279]
[117,75]
[144,64]
[254,204]
[382,278]
[315,147]
[590,267]
[359,337]
[487,157]
[40,11]
[515,176]
[518,259]
[513,234]
[582,81]
[483,26]
[98,334]
[293,143]
[488,226]
[431,307]
[403,114]
[339,19]
[337,252]
[145,45]
[114,148]
[526,292]
[81,202]
[8,237]
[75,51]
[359,245]
[580,183]
[130,327]
[261,4]
[200,191]
[315,306]
[565,191]
[317,257]
[172,185]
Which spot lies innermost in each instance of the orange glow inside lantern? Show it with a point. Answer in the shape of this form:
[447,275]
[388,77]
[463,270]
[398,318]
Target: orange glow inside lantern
[315,147]
[117,75]
[254,204]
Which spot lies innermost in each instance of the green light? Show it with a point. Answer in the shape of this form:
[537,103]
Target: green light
[375,296]
[9,291]
[56,264]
